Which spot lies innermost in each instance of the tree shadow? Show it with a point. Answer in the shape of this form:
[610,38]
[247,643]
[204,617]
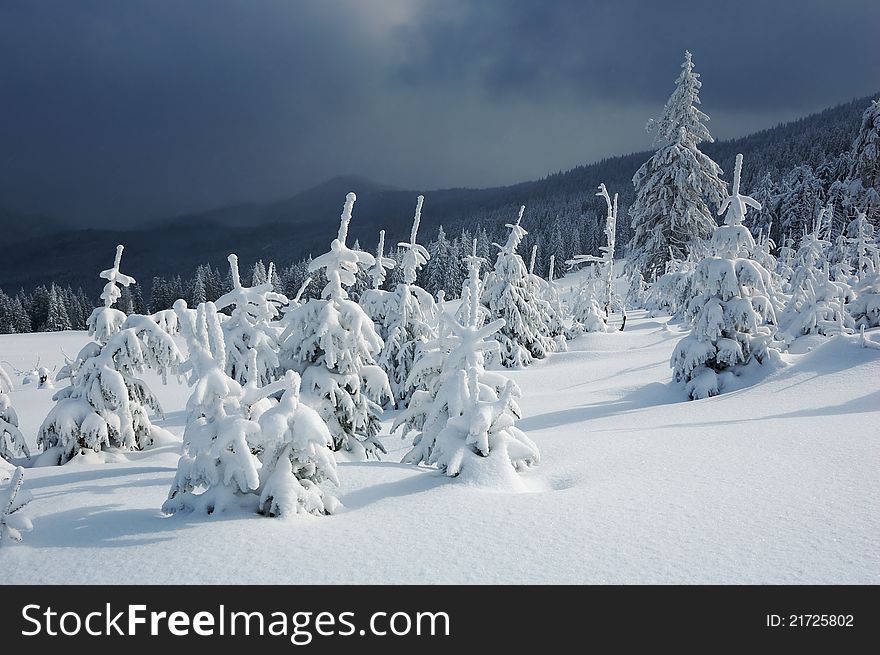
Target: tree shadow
[421,480]
[639,398]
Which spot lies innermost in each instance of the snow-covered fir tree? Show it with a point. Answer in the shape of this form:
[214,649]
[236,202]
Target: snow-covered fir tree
[58,320]
[12,500]
[674,187]
[248,326]
[410,316]
[767,195]
[586,313]
[593,302]
[217,469]
[865,165]
[463,415]
[865,308]
[106,403]
[636,291]
[376,300]
[259,276]
[817,303]
[862,249]
[441,270]
[509,294]
[554,297]
[272,460]
[105,321]
[732,308]
[333,345]
[606,261]
[12,441]
[294,448]
[800,200]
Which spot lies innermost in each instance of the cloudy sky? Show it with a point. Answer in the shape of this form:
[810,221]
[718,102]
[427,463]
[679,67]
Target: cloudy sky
[129,109]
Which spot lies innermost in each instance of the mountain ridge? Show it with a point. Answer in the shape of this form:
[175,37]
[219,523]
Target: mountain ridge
[288,229]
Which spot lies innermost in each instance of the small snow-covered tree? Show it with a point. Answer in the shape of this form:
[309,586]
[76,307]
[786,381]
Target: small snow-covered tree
[554,297]
[332,344]
[586,313]
[731,309]
[294,448]
[636,291]
[862,248]
[217,469]
[12,524]
[106,403]
[105,321]
[248,327]
[671,292]
[410,315]
[674,187]
[606,261]
[241,447]
[12,441]
[817,304]
[587,301]
[463,415]
[375,300]
[509,294]
[865,308]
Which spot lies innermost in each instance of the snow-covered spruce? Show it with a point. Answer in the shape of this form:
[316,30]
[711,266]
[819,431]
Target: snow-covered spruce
[106,403]
[12,441]
[410,316]
[864,173]
[248,329]
[12,500]
[554,298]
[375,300]
[510,295]
[862,249]
[294,448]
[673,188]
[217,469]
[548,293]
[270,459]
[105,321]
[333,345]
[865,309]
[817,304]
[586,313]
[590,310]
[636,291]
[671,292]
[731,309]
[606,261]
[464,416]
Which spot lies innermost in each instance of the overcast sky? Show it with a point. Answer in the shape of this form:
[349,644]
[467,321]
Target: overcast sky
[127,108]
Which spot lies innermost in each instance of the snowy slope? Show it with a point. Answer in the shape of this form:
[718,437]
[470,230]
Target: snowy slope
[768,484]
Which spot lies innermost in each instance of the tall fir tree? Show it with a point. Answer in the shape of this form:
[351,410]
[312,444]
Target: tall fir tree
[865,165]
[333,344]
[57,319]
[675,187]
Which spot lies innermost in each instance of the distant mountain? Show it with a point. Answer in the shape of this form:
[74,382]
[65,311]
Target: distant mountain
[287,230]
[15,227]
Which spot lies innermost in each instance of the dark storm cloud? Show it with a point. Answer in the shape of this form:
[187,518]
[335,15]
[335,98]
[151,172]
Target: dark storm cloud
[129,109]
[759,55]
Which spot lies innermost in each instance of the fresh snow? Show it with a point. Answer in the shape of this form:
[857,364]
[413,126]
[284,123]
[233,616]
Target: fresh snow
[772,482]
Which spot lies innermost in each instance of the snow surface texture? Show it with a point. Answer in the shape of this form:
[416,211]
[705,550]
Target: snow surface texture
[774,483]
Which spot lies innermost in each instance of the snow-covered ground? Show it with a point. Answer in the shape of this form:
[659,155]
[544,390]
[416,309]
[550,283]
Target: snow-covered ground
[776,482]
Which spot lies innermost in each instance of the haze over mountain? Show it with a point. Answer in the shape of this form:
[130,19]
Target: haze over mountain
[286,230]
